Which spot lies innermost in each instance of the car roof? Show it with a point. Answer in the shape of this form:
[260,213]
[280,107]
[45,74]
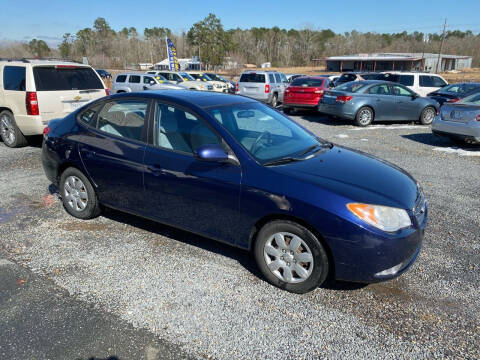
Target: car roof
[201,99]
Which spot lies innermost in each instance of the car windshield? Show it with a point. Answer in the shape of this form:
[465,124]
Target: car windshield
[186,77]
[160,78]
[202,77]
[351,86]
[266,134]
[471,100]
[305,81]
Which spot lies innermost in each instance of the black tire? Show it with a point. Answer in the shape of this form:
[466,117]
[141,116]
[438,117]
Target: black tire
[427,115]
[287,110]
[361,118]
[9,131]
[274,101]
[320,259]
[92,208]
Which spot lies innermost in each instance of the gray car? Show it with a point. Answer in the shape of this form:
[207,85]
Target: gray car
[373,100]
[460,120]
[266,86]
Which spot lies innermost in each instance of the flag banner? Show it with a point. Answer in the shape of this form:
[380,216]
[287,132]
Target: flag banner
[172,56]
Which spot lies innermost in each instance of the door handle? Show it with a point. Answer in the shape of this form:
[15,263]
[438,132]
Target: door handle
[89,152]
[156,170]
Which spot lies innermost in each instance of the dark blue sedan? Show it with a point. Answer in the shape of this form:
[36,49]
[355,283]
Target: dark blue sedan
[237,171]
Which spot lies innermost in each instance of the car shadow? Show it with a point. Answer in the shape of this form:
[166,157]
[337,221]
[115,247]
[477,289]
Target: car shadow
[439,141]
[243,257]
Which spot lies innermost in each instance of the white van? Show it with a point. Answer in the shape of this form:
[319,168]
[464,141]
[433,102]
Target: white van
[33,91]
[422,83]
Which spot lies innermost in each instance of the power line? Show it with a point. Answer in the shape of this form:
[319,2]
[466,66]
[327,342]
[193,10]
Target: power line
[441,44]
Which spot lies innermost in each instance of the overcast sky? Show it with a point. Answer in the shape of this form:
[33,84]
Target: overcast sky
[50,19]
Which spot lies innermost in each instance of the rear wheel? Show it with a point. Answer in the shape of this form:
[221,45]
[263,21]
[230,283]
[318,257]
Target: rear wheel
[427,115]
[364,116]
[9,131]
[290,256]
[78,195]
[274,101]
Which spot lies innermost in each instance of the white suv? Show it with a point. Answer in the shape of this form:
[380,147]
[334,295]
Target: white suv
[33,91]
[139,82]
[422,83]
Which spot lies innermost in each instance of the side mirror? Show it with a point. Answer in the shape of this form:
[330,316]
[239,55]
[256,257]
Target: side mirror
[211,152]
[152,82]
[415,96]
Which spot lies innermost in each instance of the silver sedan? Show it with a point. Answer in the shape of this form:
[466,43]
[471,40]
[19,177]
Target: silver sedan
[460,120]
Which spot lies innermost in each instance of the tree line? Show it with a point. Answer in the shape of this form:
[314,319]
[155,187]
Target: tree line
[105,47]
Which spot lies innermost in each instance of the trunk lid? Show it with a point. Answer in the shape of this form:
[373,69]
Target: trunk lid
[459,112]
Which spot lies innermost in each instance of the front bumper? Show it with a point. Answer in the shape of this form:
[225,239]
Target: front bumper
[367,255]
[463,130]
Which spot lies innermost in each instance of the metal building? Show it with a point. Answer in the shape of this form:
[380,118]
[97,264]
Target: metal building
[398,61]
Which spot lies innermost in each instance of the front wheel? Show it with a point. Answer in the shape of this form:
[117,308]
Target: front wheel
[290,256]
[364,116]
[427,115]
[78,195]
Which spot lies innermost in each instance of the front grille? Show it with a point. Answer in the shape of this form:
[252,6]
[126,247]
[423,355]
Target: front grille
[420,207]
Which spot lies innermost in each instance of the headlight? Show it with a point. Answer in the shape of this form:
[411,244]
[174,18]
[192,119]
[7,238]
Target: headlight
[385,218]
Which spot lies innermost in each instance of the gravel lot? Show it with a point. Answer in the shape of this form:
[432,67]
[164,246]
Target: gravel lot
[207,298]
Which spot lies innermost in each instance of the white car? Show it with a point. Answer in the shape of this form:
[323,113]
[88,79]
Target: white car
[421,83]
[34,91]
[185,80]
[139,82]
[218,86]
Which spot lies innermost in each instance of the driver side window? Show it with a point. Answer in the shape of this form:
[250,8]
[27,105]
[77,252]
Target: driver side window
[401,91]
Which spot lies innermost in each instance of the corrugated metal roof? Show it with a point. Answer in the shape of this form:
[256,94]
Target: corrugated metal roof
[393,57]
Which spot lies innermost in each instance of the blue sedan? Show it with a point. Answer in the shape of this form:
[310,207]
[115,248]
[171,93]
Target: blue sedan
[375,100]
[237,171]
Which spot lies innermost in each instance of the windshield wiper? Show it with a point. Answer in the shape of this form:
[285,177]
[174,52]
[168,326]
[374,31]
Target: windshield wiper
[284,160]
[320,147]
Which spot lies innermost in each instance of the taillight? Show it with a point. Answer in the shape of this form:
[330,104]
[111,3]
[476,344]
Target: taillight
[46,130]
[478,117]
[453,100]
[236,88]
[107,91]
[31,103]
[267,88]
[344,98]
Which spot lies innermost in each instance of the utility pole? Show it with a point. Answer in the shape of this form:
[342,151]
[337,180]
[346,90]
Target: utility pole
[441,44]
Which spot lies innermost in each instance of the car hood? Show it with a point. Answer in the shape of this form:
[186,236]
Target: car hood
[356,176]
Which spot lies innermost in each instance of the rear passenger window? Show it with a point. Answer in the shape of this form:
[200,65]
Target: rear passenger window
[88,115]
[14,78]
[121,78]
[379,90]
[134,79]
[123,118]
[271,78]
[278,79]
